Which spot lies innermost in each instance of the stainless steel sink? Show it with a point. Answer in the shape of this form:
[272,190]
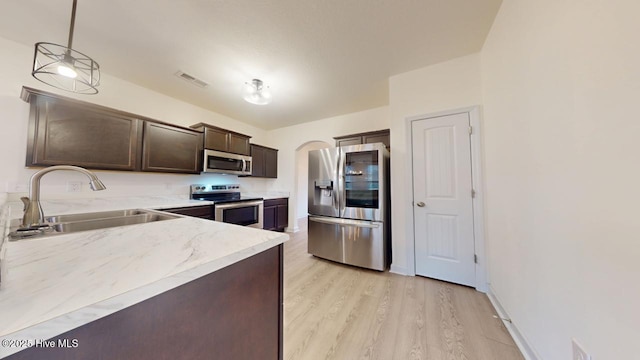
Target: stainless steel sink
[94,216]
[65,224]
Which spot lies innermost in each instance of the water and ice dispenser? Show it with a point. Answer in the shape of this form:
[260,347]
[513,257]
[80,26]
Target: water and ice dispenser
[323,192]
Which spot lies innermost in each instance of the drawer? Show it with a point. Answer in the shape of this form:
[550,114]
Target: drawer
[274,202]
[205,212]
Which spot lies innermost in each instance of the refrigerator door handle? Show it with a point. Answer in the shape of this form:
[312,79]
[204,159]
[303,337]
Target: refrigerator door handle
[341,182]
[339,192]
[345,222]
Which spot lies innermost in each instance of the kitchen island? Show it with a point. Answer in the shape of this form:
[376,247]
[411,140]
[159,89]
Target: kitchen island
[180,288]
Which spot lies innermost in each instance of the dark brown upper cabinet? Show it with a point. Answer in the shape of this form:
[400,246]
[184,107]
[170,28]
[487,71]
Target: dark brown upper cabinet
[219,139]
[216,139]
[70,133]
[169,148]
[257,161]
[64,131]
[239,144]
[353,140]
[265,161]
[382,136]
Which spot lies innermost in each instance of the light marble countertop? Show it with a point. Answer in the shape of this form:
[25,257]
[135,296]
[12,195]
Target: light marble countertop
[52,285]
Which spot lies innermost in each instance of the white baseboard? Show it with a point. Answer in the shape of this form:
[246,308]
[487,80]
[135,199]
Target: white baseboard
[483,287]
[522,343]
[291,229]
[400,270]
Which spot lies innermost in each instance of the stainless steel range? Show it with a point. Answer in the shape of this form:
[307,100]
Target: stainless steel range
[229,205]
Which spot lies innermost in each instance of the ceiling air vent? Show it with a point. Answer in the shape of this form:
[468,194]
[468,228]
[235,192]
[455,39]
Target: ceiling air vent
[191,79]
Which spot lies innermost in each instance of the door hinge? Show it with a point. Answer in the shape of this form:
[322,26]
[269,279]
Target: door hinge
[475,258]
[470,130]
[473,193]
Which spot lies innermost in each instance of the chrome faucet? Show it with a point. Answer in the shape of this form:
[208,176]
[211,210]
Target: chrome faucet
[33,215]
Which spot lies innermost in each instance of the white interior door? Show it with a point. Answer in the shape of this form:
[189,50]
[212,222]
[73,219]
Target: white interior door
[442,199]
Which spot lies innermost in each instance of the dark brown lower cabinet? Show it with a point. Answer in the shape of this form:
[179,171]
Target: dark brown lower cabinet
[276,214]
[203,212]
[233,313]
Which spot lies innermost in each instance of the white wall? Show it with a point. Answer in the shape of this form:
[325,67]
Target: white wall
[449,85]
[115,93]
[289,139]
[561,88]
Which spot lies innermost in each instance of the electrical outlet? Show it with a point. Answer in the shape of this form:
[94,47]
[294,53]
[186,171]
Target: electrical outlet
[579,353]
[74,186]
[14,187]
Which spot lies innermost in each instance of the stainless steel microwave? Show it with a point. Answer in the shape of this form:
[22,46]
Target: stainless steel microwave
[226,163]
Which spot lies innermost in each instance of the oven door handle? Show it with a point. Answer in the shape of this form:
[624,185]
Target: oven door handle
[238,204]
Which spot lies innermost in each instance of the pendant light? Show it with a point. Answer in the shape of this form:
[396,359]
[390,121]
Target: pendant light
[256,93]
[65,68]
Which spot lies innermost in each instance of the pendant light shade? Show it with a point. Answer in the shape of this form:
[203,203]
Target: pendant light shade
[65,68]
[256,93]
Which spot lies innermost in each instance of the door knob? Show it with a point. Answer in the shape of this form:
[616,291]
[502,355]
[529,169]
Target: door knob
[420,204]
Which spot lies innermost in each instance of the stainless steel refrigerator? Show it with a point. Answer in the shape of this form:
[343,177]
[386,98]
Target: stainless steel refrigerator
[349,205]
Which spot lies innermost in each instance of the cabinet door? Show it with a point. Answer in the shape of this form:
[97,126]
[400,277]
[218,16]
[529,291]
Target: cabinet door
[377,138]
[270,217]
[356,140]
[271,163]
[62,133]
[278,210]
[216,139]
[171,149]
[282,216]
[257,161]
[239,144]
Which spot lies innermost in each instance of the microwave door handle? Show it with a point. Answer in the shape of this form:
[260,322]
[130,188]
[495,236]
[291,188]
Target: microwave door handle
[259,203]
[244,165]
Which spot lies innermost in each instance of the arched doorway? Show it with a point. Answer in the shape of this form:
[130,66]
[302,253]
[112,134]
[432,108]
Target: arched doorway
[302,181]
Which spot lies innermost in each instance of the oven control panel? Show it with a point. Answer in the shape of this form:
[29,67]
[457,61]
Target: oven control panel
[207,189]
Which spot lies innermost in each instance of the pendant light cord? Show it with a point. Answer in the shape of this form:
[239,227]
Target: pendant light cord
[73,22]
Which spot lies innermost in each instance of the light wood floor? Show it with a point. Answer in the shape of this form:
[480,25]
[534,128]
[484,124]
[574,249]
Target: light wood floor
[333,311]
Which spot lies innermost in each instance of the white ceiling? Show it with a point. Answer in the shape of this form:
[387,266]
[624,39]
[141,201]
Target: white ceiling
[321,58]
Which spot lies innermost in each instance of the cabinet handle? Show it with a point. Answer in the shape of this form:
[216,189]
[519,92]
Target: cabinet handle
[421,204]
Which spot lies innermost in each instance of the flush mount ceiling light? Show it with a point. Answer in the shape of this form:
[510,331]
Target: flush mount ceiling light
[64,68]
[256,93]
